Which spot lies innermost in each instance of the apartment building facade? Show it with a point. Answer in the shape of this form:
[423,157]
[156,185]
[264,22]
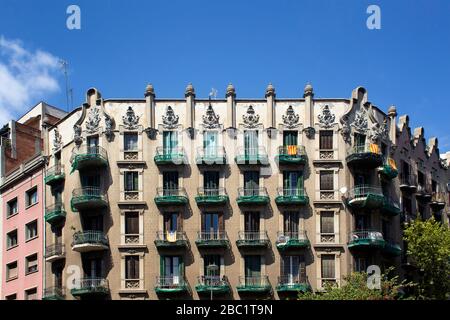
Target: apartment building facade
[230,198]
[22,189]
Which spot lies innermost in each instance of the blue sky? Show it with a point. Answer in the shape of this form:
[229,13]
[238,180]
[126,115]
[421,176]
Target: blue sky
[123,45]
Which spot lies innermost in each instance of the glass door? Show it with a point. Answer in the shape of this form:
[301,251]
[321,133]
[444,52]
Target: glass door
[252,270]
[291,266]
[172,270]
[170,183]
[170,142]
[211,227]
[251,183]
[210,142]
[211,183]
[292,183]
[291,223]
[251,143]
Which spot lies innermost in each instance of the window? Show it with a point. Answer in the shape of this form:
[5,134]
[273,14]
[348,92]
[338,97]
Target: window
[327,180]
[170,141]
[251,183]
[251,222]
[291,222]
[290,138]
[171,222]
[132,268]
[170,180]
[31,264]
[292,183]
[13,207]
[11,297]
[293,269]
[11,239]
[132,223]
[251,142]
[326,139]
[252,269]
[328,266]
[360,141]
[11,270]
[131,181]
[210,141]
[31,294]
[327,225]
[31,197]
[360,264]
[211,265]
[172,270]
[212,223]
[92,143]
[407,207]
[31,230]
[130,141]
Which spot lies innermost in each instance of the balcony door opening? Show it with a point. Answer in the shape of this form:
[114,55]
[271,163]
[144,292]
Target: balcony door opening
[251,142]
[251,183]
[291,222]
[170,141]
[93,268]
[211,181]
[171,270]
[292,183]
[252,270]
[210,143]
[172,223]
[293,269]
[290,138]
[211,267]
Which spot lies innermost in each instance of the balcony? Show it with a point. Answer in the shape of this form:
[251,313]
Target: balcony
[55,252]
[166,239]
[86,157]
[390,207]
[55,214]
[292,283]
[388,170]
[367,156]
[88,198]
[54,293]
[366,197]
[392,249]
[213,285]
[291,197]
[256,196]
[438,201]
[54,175]
[287,240]
[408,182]
[250,156]
[171,196]
[217,196]
[88,241]
[366,239]
[171,285]
[247,239]
[295,155]
[89,287]
[423,193]
[211,155]
[173,156]
[259,284]
[212,239]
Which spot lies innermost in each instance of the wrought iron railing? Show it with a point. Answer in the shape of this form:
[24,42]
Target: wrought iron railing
[167,192]
[365,234]
[292,151]
[213,281]
[253,236]
[90,237]
[211,192]
[89,150]
[212,236]
[286,236]
[89,192]
[56,170]
[292,279]
[291,192]
[56,207]
[254,282]
[365,148]
[57,249]
[212,153]
[252,192]
[91,283]
[363,191]
[170,282]
[169,236]
[54,292]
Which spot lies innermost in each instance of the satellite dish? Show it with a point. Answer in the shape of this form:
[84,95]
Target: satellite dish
[343,190]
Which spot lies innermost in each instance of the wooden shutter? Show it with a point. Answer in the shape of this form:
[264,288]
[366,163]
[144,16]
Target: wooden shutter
[327,222]
[132,223]
[328,266]
[326,139]
[326,180]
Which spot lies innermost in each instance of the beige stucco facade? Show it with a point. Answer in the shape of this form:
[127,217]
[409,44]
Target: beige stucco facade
[270,116]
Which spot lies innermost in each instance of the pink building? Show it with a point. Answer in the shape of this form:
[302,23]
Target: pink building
[22,162]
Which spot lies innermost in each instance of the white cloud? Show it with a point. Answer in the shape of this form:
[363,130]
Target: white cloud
[26,77]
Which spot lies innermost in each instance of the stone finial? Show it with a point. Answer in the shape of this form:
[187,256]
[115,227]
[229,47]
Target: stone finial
[392,112]
[270,90]
[190,91]
[149,90]
[231,91]
[309,91]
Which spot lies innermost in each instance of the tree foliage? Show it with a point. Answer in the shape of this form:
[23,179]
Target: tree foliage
[428,246]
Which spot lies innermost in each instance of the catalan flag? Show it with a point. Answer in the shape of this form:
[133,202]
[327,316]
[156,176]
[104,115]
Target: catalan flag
[392,163]
[292,150]
[374,148]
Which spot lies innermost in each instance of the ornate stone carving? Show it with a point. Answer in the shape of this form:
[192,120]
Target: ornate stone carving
[131,120]
[251,119]
[78,139]
[345,131]
[326,118]
[57,140]
[378,132]
[210,119]
[109,124]
[290,119]
[93,120]
[310,132]
[170,119]
[360,123]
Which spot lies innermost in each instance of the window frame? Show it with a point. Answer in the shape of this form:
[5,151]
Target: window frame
[27,228]
[28,203]
[8,205]
[27,264]
[8,270]
[9,247]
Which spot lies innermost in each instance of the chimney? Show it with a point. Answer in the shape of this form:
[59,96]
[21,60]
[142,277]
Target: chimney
[392,114]
[231,107]
[270,97]
[150,106]
[309,106]
[190,108]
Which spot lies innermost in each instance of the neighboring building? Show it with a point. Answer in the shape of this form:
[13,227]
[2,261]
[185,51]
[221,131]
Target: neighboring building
[22,191]
[177,198]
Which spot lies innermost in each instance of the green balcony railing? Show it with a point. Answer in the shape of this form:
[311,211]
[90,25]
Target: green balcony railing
[291,155]
[90,287]
[291,196]
[366,156]
[171,284]
[54,293]
[55,252]
[256,155]
[255,284]
[212,239]
[213,285]
[366,196]
[291,240]
[252,239]
[55,213]
[366,239]
[208,196]
[293,283]
[423,192]
[253,196]
[88,157]
[167,239]
[175,196]
[211,155]
[54,175]
[85,241]
[88,198]
[389,169]
[172,155]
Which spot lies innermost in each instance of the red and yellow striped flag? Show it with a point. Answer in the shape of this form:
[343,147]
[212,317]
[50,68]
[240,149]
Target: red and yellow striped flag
[292,150]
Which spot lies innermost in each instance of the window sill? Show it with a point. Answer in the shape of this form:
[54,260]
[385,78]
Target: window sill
[31,239]
[31,272]
[31,205]
[12,279]
[13,247]
[12,216]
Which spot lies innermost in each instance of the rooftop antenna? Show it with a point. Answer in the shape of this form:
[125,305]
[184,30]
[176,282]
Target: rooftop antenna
[69,93]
